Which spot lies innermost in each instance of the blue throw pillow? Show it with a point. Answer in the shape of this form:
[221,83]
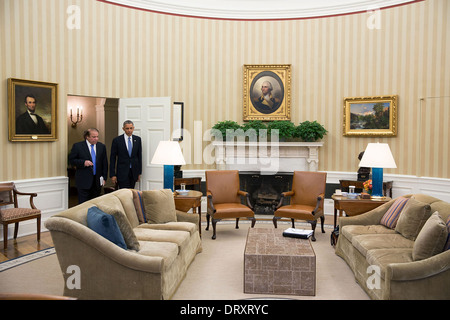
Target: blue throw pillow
[105,225]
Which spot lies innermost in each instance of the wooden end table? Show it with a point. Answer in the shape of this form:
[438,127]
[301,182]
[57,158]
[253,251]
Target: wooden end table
[191,200]
[353,207]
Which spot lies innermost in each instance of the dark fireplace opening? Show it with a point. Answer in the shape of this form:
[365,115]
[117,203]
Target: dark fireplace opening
[265,190]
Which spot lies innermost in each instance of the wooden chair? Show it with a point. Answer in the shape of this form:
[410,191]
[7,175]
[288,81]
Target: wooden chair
[8,196]
[223,196]
[307,196]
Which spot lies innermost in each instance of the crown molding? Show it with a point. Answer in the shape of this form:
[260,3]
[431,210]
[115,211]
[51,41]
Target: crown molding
[259,9]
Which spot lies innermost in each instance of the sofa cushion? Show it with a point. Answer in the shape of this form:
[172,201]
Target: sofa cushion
[159,206]
[447,243]
[355,230]
[366,242]
[124,226]
[181,238]
[412,218]
[431,239]
[180,226]
[442,207]
[166,250]
[139,205]
[105,225]
[384,257]
[391,216]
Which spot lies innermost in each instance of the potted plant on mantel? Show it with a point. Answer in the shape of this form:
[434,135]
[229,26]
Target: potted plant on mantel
[256,125]
[310,131]
[222,126]
[286,129]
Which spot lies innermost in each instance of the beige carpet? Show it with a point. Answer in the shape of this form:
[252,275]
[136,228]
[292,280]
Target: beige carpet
[216,273]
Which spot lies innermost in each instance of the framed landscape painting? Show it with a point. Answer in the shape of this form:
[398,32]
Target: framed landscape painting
[370,116]
[267,92]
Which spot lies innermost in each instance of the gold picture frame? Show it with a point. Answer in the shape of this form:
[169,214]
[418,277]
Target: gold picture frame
[277,83]
[24,96]
[370,116]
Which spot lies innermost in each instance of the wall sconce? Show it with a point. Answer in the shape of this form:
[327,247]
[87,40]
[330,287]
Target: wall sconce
[79,116]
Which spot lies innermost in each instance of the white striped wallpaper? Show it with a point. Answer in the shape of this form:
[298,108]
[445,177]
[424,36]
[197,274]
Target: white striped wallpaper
[121,52]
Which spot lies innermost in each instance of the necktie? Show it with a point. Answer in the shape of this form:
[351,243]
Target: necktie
[93,157]
[129,146]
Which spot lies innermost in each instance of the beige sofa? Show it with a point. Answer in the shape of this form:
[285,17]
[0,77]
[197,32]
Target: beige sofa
[407,260]
[160,245]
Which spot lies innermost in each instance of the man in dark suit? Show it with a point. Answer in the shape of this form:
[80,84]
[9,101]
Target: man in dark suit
[91,161]
[126,151]
[29,122]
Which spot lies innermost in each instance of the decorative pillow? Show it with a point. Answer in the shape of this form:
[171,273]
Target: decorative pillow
[431,238]
[413,217]
[105,225]
[139,206]
[391,216]
[159,206]
[124,226]
[447,244]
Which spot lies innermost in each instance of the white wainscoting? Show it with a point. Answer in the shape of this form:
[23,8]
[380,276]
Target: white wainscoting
[53,193]
[436,187]
[52,197]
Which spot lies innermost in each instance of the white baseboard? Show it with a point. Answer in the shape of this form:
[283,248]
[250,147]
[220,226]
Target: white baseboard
[52,197]
[53,193]
[403,184]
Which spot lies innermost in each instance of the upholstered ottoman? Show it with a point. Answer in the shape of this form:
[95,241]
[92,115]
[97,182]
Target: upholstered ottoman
[274,264]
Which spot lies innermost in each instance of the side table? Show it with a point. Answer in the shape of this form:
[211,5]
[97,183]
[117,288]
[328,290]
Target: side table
[189,182]
[191,200]
[353,207]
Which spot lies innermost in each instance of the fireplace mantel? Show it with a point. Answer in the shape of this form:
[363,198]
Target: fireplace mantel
[267,157]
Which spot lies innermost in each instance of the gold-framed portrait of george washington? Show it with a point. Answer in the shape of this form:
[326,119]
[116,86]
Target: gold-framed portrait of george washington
[267,92]
[32,108]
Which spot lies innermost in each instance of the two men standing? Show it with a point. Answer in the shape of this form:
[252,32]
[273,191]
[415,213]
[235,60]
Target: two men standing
[90,159]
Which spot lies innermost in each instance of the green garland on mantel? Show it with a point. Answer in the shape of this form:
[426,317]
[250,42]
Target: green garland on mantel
[308,131]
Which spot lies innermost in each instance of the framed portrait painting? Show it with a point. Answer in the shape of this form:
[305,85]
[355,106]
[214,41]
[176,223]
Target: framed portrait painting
[32,107]
[370,116]
[267,92]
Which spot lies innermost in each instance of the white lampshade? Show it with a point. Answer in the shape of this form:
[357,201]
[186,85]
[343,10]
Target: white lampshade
[378,155]
[168,153]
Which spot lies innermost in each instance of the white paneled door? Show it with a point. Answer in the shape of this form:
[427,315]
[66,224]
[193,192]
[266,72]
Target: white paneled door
[152,121]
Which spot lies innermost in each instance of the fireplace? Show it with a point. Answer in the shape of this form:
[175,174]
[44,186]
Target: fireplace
[265,190]
[261,165]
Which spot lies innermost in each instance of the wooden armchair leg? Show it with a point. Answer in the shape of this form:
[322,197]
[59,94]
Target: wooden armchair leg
[253,221]
[5,236]
[275,219]
[38,228]
[313,227]
[214,222]
[322,221]
[207,221]
[16,229]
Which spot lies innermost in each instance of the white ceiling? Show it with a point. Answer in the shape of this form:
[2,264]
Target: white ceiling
[259,9]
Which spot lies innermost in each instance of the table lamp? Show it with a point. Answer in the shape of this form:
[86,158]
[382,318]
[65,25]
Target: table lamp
[377,156]
[168,153]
